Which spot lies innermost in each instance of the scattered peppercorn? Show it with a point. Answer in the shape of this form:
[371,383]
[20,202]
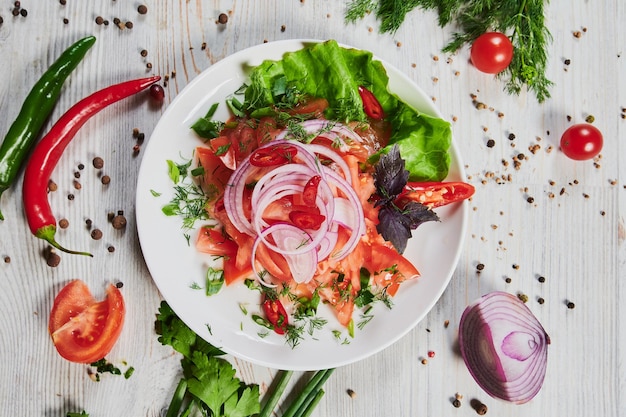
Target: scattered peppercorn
[66,20]
[571,305]
[63,2]
[7,259]
[222,18]
[52,186]
[119,284]
[511,136]
[1,20]
[283,28]
[507,280]
[144,53]
[540,300]
[111,249]
[141,137]
[480,267]
[99,20]
[88,222]
[70,197]
[515,266]
[479,407]
[491,143]
[77,185]
[541,279]
[64,223]
[523,297]
[98,162]
[351,393]
[590,118]
[446,323]
[53,259]
[142,9]
[530,200]
[105,179]
[119,221]
[456,403]
[424,361]
[129,25]
[24,12]
[96,234]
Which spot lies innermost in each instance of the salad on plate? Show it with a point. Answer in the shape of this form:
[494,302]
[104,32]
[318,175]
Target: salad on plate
[309,192]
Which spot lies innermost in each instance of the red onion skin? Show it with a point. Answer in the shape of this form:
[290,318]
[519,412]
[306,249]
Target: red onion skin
[504,347]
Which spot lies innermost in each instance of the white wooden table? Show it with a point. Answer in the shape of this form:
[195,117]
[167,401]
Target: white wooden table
[572,233]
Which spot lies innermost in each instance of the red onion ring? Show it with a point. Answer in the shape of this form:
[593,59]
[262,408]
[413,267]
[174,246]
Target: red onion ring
[504,347]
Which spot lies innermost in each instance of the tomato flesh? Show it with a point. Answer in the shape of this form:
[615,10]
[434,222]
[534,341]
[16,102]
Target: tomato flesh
[83,329]
[492,52]
[581,142]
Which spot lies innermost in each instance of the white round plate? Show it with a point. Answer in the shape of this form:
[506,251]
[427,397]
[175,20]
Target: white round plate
[175,265]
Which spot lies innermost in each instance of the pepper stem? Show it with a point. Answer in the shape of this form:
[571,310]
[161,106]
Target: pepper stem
[47,233]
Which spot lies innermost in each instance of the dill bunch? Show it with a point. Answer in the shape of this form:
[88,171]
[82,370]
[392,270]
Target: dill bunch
[522,20]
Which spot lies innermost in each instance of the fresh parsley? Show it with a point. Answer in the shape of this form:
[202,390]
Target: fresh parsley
[523,21]
[395,223]
[209,383]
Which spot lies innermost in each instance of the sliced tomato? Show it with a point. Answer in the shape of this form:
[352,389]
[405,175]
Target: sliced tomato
[83,329]
[267,130]
[274,155]
[242,139]
[214,242]
[306,220]
[221,147]
[315,107]
[389,268]
[216,174]
[436,194]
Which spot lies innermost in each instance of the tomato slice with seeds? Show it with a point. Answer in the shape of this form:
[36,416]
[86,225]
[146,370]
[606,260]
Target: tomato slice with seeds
[83,329]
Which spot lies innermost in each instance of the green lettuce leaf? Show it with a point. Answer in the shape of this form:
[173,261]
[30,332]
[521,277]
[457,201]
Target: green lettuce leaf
[335,73]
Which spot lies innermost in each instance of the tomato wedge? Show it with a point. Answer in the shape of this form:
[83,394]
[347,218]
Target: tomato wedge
[83,329]
[436,194]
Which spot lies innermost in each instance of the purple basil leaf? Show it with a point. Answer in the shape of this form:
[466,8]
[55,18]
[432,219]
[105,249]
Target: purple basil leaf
[416,214]
[393,227]
[390,176]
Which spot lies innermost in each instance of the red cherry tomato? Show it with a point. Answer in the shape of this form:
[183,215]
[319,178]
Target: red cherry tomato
[581,141]
[492,52]
[273,155]
[276,314]
[371,105]
[83,329]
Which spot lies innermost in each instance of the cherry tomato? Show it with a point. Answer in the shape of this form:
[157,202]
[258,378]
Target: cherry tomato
[371,105]
[491,52]
[273,155]
[306,220]
[581,141]
[275,314]
[309,194]
[83,329]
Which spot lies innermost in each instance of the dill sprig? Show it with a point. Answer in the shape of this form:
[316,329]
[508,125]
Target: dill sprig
[523,21]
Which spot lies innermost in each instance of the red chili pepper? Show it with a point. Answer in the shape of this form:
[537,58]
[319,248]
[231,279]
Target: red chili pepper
[309,193]
[276,314]
[435,194]
[371,105]
[49,150]
[306,220]
[273,155]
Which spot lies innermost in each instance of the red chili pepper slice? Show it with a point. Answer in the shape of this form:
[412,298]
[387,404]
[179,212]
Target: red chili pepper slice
[309,193]
[48,151]
[276,314]
[371,105]
[306,220]
[436,194]
[273,155]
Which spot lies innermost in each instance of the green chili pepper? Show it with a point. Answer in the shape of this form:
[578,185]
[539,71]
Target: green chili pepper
[35,110]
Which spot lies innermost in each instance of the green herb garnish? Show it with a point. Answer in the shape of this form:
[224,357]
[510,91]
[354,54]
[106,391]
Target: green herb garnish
[522,21]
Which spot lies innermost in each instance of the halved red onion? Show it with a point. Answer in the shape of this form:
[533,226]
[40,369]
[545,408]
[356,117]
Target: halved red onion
[504,347]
